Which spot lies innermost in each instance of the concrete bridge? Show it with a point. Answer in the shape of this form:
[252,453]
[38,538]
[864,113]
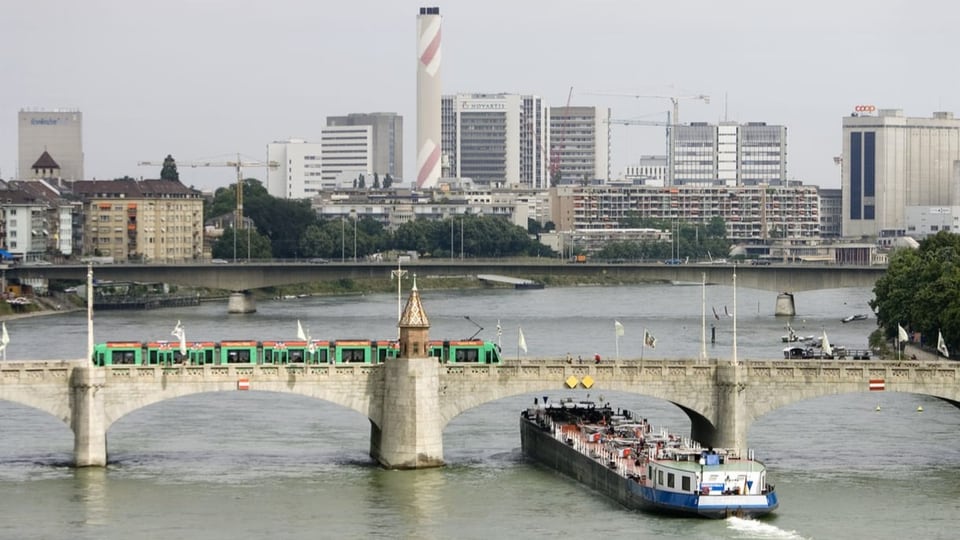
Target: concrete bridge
[410,401]
[245,277]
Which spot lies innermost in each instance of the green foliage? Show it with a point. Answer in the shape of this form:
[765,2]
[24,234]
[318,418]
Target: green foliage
[921,291]
[471,235]
[223,248]
[169,170]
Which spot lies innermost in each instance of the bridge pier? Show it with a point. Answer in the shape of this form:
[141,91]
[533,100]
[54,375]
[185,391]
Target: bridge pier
[730,427]
[410,435]
[241,302]
[785,305]
[88,418]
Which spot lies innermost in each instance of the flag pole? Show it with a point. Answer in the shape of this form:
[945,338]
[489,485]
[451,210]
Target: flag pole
[616,337]
[643,344]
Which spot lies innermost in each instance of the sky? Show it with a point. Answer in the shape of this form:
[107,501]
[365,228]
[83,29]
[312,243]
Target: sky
[206,80]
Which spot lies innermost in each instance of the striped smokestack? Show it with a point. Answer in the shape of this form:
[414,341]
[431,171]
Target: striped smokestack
[428,96]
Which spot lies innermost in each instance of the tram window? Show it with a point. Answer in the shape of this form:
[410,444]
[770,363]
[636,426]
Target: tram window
[322,356]
[470,355]
[353,355]
[296,356]
[123,357]
[153,357]
[244,356]
[460,356]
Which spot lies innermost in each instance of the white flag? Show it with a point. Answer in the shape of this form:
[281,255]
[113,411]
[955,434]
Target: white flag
[902,334]
[617,328]
[825,345]
[941,345]
[523,342]
[4,338]
[181,335]
[649,340]
[499,329]
[300,334]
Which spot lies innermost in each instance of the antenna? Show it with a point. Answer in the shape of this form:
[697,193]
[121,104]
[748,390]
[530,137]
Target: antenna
[479,328]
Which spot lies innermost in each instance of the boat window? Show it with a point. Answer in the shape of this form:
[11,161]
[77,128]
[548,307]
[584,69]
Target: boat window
[671,480]
[660,477]
[685,483]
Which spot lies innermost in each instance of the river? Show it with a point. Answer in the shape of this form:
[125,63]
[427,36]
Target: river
[253,464]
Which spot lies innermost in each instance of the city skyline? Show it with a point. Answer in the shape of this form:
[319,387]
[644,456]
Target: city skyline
[207,81]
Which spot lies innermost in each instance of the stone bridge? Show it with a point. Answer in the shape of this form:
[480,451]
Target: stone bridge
[410,401]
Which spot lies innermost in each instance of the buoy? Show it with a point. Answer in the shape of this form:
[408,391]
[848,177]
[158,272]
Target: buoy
[919,408]
[878,407]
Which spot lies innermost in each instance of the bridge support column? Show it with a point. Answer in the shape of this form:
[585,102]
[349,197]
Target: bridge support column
[410,435]
[785,305]
[241,302]
[730,425]
[88,420]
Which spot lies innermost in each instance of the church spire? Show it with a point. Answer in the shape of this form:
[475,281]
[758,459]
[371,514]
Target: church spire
[414,327]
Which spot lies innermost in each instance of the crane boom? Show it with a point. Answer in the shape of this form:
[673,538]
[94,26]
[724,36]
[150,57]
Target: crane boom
[238,165]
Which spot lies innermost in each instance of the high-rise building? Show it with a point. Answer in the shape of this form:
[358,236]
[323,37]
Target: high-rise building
[728,154]
[580,142]
[59,132]
[346,153]
[428,97]
[298,173]
[891,162]
[387,137]
[496,139]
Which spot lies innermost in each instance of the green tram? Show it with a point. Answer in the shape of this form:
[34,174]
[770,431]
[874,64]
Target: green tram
[350,351]
[468,351]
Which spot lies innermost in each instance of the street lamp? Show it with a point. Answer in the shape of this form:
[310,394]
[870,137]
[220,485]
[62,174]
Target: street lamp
[354,214]
[342,242]
[398,273]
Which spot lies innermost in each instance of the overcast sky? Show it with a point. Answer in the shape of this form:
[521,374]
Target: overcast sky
[206,79]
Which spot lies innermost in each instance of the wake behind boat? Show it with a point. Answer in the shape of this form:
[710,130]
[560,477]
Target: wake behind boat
[621,456]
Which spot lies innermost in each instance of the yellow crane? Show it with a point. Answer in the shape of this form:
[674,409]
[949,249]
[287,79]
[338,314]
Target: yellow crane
[238,165]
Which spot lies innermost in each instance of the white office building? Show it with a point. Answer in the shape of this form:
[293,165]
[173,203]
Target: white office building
[346,154]
[298,172]
[387,135]
[496,139]
[59,132]
[892,162]
[728,154]
[579,144]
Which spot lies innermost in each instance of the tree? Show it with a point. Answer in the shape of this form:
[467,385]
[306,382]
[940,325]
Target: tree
[376,181]
[920,290]
[223,248]
[169,170]
[387,181]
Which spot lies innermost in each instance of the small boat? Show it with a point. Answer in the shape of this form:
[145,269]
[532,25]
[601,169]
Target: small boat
[793,337]
[619,454]
[855,317]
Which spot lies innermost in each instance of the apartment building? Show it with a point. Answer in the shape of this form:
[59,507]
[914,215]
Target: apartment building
[579,144]
[148,220]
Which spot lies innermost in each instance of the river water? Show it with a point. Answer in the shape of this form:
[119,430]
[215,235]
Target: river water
[254,464]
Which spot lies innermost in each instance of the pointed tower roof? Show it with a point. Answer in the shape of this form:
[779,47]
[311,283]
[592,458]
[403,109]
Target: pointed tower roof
[413,314]
[45,162]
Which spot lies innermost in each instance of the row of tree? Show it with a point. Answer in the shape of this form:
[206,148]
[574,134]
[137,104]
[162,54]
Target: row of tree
[921,291]
[291,229]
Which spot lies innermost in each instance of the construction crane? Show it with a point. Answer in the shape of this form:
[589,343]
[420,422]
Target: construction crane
[238,165]
[557,148]
[674,99]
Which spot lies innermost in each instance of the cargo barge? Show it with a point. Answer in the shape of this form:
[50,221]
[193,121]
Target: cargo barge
[620,455]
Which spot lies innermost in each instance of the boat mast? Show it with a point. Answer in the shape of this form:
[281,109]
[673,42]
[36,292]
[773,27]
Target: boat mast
[703,317]
[735,314]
